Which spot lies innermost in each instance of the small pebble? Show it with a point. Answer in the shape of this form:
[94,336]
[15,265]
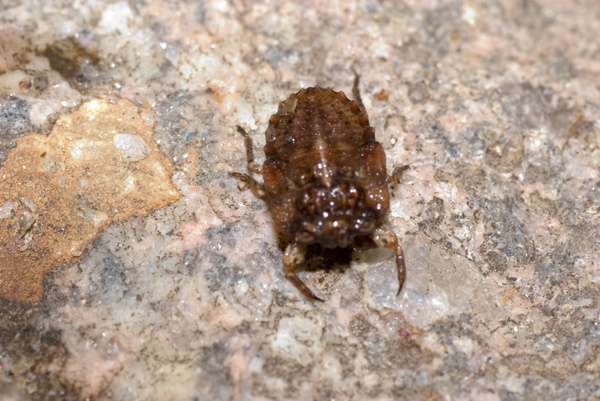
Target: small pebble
[132,147]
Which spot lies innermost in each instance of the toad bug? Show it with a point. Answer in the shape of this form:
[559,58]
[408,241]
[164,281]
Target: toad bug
[325,181]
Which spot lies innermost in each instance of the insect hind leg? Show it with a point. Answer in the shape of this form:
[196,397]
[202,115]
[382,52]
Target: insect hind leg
[386,238]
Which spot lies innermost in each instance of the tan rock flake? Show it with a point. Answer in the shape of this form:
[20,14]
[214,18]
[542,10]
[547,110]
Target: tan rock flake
[58,192]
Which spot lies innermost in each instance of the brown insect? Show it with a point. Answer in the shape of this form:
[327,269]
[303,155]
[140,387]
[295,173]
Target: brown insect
[324,178]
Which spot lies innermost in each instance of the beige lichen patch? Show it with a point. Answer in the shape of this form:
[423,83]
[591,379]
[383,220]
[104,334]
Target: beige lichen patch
[99,165]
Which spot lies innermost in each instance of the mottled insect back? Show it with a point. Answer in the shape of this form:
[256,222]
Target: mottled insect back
[325,181]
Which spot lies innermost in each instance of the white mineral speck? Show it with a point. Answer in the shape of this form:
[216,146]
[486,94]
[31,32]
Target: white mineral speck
[9,82]
[132,147]
[29,204]
[7,209]
[86,149]
[129,183]
[293,336]
[116,18]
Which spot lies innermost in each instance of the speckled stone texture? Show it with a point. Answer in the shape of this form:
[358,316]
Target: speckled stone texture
[495,105]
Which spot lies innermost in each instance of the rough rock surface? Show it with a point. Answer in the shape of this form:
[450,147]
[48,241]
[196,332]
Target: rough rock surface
[494,104]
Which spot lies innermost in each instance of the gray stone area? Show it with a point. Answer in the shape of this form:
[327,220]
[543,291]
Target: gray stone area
[495,105]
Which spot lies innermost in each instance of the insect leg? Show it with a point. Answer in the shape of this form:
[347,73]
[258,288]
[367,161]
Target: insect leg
[388,239]
[356,92]
[293,256]
[256,187]
[397,173]
[249,149]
